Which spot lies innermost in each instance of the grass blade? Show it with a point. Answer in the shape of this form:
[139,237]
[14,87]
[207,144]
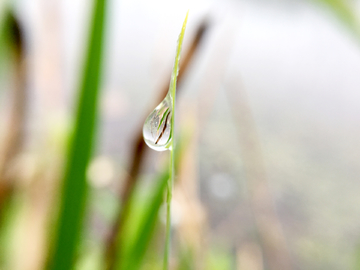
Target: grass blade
[114,243]
[74,184]
[172,90]
[135,255]
[345,11]
[146,228]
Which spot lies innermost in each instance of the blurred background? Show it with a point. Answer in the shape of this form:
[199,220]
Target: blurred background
[267,135]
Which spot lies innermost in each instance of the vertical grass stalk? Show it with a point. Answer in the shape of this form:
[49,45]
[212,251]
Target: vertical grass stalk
[172,90]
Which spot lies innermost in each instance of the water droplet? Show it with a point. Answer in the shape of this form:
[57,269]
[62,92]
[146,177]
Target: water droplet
[157,127]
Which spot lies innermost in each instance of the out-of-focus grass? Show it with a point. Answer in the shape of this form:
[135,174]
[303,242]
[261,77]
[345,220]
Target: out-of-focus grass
[346,12]
[5,13]
[9,45]
[73,197]
[143,228]
[11,55]
[186,259]
[141,224]
[9,35]
[218,259]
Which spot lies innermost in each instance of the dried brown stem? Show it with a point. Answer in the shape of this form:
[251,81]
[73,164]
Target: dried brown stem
[113,245]
[15,129]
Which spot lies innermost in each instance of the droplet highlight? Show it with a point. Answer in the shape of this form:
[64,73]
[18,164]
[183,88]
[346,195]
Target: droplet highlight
[157,126]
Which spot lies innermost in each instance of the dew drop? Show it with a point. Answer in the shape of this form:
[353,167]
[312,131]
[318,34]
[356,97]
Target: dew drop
[157,126]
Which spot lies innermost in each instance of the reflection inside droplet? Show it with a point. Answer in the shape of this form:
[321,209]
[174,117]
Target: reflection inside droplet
[157,127]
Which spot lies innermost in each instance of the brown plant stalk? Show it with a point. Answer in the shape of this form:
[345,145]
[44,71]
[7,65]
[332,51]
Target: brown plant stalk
[15,129]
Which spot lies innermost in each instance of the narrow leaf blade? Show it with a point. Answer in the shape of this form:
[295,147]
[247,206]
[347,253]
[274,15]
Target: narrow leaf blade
[74,189]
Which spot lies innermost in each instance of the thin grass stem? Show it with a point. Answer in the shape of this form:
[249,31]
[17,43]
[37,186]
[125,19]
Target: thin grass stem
[168,210]
[172,90]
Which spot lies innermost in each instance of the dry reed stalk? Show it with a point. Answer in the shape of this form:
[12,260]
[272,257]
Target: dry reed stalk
[14,136]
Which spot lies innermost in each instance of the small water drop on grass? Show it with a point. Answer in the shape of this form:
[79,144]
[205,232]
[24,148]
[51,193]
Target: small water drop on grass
[157,127]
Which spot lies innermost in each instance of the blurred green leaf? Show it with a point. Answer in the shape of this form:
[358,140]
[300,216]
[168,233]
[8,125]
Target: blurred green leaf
[11,38]
[218,258]
[147,224]
[186,259]
[10,30]
[10,215]
[74,185]
[137,242]
[345,11]
[11,44]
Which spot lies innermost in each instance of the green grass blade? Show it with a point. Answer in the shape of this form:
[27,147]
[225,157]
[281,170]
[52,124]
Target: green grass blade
[345,11]
[146,229]
[172,90]
[135,255]
[175,72]
[74,190]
